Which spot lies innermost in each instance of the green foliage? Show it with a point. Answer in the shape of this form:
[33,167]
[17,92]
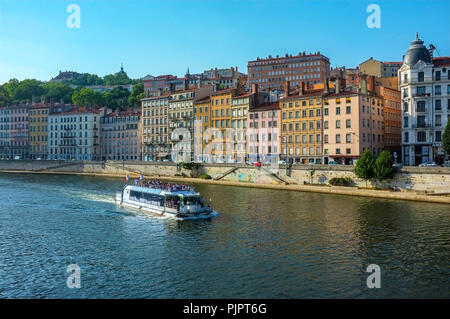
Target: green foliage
[88,97]
[84,79]
[118,78]
[365,166]
[446,139]
[54,92]
[190,166]
[205,176]
[134,100]
[341,181]
[383,165]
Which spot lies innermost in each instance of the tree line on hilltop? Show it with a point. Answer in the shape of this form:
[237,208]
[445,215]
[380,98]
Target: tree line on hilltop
[15,91]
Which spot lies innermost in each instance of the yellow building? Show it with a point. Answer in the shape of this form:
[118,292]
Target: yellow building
[239,112]
[301,126]
[202,117]
[221,113]
[37,117]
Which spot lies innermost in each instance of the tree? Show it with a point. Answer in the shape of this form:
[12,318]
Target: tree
[134,100]
[365,166]
[54,92]
[383,165]
[87,97]
[446,139]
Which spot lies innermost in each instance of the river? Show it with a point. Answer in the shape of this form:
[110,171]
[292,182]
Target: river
[264,244]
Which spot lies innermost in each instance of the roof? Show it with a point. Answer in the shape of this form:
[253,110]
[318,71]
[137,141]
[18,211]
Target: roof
[441,61]
[305,95]
[266,107]
[80,110]
[122,114]
[416,52]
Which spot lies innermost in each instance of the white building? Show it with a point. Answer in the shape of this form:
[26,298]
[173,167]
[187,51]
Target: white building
[74,134]
[425,88]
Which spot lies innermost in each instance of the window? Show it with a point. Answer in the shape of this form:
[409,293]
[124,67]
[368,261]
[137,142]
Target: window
[325,111]
[405,122]
[338,138]
[348,138]
[348,109]
[438,75]
[420,77]
[421,136]
[338,124]
[325,139]
[437,105]
[348,124]
[421,106]
[338,110]
[438,136]
[437,90]
[438,120]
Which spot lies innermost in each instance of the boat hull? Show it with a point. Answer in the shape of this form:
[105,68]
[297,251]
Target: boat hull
[159,211]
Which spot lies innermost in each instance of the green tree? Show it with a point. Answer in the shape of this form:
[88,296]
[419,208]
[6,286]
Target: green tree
[54,92]
[117,98]
[134,100]
[28,89]
[446,139]
[88,97]
[118,78]
[365,166]
[383,165]
[4,96]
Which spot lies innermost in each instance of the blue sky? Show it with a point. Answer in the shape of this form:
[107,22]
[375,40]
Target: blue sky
[168,36]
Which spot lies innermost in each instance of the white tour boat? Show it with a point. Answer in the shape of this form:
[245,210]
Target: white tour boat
[166,200]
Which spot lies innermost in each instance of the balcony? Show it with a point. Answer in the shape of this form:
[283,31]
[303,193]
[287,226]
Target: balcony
[421,125]
[426,94]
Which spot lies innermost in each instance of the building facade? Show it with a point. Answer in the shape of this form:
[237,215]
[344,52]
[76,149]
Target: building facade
[14,131]
[301,125]
[155,127]
[273,72]
[425,94]
[120,137]
[38,125]
[353,121]
[74,134]
[263,137]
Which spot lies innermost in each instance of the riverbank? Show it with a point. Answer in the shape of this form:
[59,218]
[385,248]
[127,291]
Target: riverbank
[337,190]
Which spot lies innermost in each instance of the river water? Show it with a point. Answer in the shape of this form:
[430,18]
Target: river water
[264,244]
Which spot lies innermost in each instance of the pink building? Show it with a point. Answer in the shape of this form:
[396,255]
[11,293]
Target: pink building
[14,131]
[121,136]
[263,133]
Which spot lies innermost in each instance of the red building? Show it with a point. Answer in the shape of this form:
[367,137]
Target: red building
[272,72]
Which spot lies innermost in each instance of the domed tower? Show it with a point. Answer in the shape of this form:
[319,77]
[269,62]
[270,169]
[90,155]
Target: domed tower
[417,51]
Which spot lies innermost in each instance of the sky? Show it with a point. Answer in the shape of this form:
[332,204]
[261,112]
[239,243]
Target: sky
[168,36]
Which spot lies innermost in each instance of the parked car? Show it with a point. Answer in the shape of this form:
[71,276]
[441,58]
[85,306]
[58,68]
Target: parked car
[38,159]
[17,157]
[332,163]
[398,165]
[282,162]
[257,163]
[428,164]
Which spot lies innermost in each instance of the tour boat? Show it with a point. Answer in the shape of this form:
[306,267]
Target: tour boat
[179,201]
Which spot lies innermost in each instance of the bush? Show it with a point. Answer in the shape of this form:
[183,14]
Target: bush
[383,165]
[205,176]
[341,181]
[190,165]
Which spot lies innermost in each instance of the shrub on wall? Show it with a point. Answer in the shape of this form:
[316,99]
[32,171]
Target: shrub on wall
[341,181]
[205,176]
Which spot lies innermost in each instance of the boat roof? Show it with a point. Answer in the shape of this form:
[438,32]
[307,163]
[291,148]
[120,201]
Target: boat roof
[157,191]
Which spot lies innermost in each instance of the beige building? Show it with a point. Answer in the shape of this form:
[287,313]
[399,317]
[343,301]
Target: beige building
[353,121]
[38,116]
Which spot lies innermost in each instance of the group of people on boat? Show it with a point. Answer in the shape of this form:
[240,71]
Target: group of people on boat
[157,184]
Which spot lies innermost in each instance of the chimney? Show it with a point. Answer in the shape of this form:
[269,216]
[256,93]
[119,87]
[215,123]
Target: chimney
[199,82]
[337,85]
[301,88]
[325,86]
[363,84]
[255,88]
[171,87]
[370,83]
[286,89]
[160,91]
[186,84]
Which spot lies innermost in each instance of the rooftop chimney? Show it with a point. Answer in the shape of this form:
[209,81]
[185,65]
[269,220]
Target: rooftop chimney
[301,88]
[171,87]
[363,84]
[186,84]
[286,89]
[160,91]
[337,85]
[325,86]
